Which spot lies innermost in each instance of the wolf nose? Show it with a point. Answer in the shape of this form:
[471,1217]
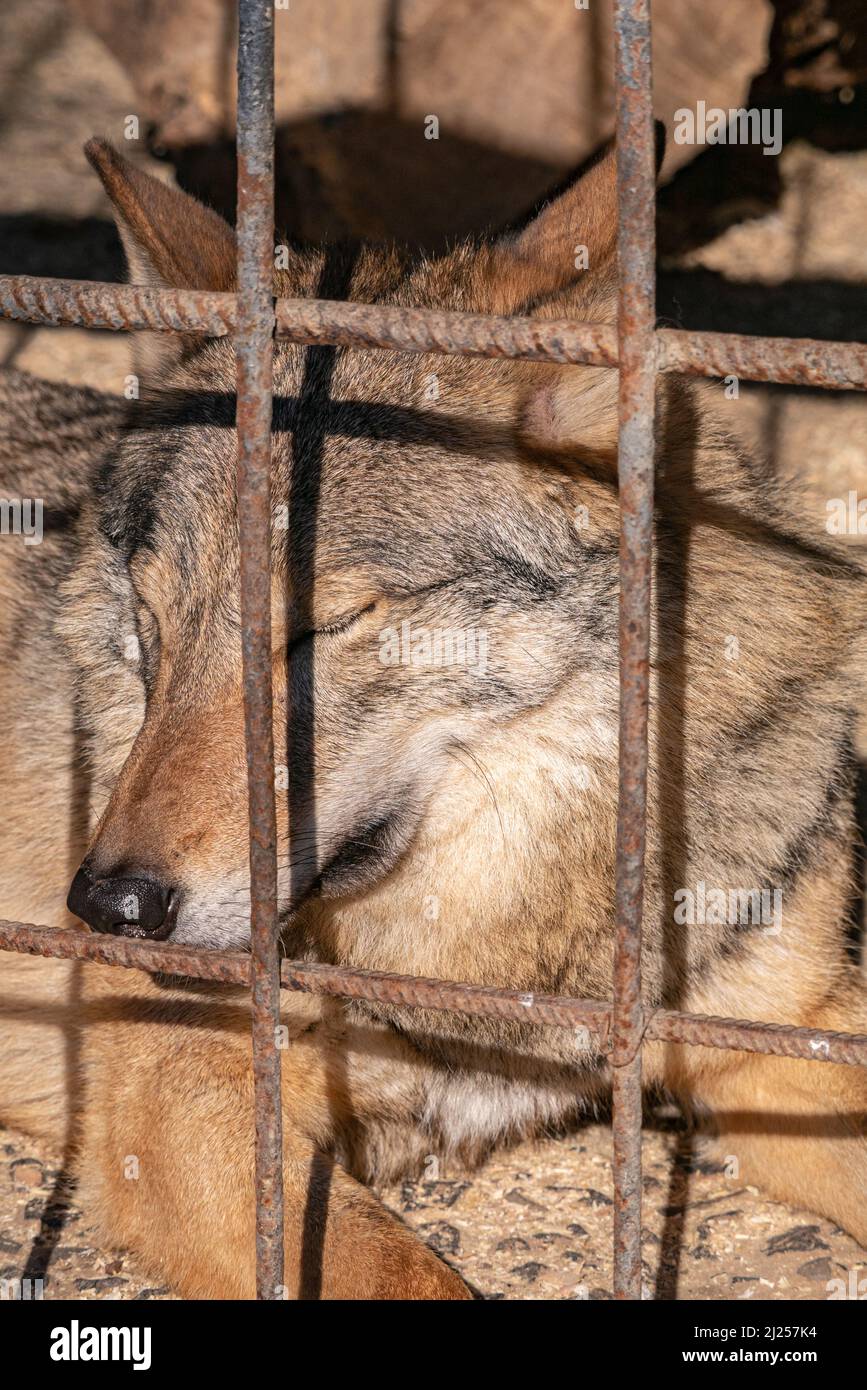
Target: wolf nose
[128,905]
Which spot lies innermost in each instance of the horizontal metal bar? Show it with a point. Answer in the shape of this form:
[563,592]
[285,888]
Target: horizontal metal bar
[410,991]
[80,944]
[122,308]
[83,303]
[785,361]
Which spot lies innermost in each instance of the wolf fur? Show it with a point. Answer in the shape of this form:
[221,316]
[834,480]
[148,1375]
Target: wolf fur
[451,820]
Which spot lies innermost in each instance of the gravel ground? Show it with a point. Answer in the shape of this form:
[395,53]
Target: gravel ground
[535,1223]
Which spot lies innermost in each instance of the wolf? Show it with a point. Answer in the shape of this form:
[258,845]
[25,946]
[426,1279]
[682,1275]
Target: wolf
[453,819]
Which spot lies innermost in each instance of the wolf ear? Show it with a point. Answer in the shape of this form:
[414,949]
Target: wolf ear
[565,258]
[171,240]
[572,411]
[549,251]
[572,237]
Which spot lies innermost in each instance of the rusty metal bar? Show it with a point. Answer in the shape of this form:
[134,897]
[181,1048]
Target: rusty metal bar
[83,303]
[787,361]
[254,354]
[742,1035]
[636,253]
[121,308]
[415,992]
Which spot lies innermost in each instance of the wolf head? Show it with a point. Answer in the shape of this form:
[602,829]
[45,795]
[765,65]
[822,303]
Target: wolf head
[443,560]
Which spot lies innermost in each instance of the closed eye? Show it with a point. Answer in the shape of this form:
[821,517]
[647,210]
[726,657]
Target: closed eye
[333,629]
[149,646]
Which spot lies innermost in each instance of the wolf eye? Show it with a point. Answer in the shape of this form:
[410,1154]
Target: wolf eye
[143,647]
[339,625]
[146,620]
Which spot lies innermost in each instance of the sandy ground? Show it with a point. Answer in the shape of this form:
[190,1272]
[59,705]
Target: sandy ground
[536,1222]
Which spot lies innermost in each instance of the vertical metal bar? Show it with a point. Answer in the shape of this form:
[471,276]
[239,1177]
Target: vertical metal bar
[636,314]
[254,353]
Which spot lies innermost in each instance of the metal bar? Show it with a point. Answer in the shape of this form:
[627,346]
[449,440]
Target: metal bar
[636,251]
[233,967]
[742,1035]
[786,361]
[254,353]
[415,992]
[121,308]
[790,361]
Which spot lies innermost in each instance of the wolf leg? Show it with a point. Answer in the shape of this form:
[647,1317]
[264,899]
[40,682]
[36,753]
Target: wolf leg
[341,1243]
[40,1022]
[797,1128]
[167,1161]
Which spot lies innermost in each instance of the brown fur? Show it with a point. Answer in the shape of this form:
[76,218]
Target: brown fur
[433,820]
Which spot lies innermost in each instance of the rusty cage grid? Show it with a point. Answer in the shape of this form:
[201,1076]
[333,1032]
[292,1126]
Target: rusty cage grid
[639,350]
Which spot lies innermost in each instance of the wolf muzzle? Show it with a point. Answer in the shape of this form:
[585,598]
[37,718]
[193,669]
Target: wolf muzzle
[132,904]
